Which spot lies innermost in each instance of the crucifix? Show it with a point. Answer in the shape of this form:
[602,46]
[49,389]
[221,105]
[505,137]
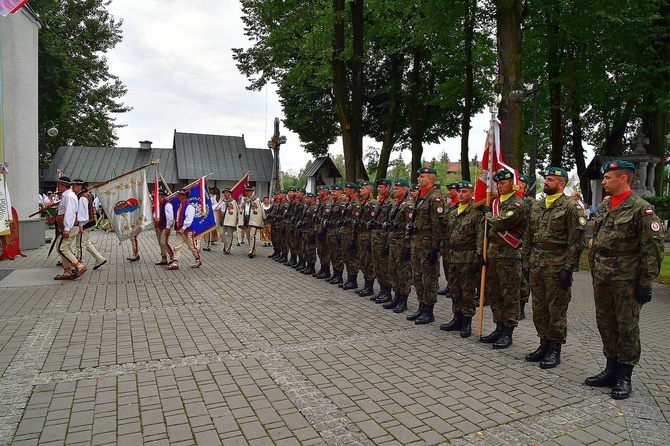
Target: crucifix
[275,144]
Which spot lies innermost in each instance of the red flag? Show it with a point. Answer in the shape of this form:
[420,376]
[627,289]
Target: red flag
[238,189]
[11,6]
[483,181]
[202,186]
[157,205]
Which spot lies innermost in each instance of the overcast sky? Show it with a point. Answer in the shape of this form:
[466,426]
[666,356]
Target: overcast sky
[176,60]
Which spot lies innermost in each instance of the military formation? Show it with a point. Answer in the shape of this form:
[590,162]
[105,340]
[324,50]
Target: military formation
[526,249]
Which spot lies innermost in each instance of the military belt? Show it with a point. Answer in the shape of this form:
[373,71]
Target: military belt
[616,253]
[462,248]
[549,246]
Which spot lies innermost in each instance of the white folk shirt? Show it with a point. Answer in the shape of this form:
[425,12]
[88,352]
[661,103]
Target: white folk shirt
[68,207]
[82,212]
[189,215]
[169,215]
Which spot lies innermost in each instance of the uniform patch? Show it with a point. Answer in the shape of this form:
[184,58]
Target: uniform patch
[517,205]
[579,208]
[357,213]
[372,214]
[655,226]
[410,215]
[650,211]
[509,213]
[437,199]
[582,221]
[326,210]
[439,210]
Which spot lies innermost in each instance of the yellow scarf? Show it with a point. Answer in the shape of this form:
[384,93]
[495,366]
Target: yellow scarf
[549,199]
[461,207]
[505,197]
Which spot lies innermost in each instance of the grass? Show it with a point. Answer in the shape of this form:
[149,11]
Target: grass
[663,277]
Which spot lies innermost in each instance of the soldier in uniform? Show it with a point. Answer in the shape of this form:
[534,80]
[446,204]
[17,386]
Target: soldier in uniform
[282,236]
[444,249]
[333,233]
[465,247]
[552,245]
[272,221]
[524,289]
[425,229]
[379,241]
[323,213]
[291,255]
[400,267]
[307,227]
[368,213]
[229,211]
[298,210]
[348,230]
[627,248]
[507,221]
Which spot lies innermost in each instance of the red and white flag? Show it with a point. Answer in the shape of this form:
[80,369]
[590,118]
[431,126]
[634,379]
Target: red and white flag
[202,187]
[11,6]
[238,189]
[157,204]
[60,173]
[491,163]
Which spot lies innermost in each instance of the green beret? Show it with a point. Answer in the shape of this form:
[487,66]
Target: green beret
[322,187]
[415,186]
[310,195]
[300,189]
[383,182]
[617,165]
[351,185]
[503,174]
[401,182]
[464,185]
[524,178]
[336,187]
[281,191]
[556,172]
[426,170]
[451,186]
[365,183]
[291,189]
[437,186]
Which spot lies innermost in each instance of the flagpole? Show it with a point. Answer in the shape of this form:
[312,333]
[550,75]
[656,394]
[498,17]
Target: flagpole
[122,175]
[238,183]
[189,185]
[489,195]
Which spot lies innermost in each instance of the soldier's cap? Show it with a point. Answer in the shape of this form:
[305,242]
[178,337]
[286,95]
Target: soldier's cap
[291,189]
[227,189]
[415,186]
[401,182]
[617,165]
[249,188]
[503,174]
[453,186]
[437,186]
[426,170]
[281,191]
[77,182]
[322,187]
[310,195]
[336,187]
[555,172]
[64,180]
[464,185]
[365,183]
[182,192]
[383,182]
[351,185]
[300,189]
[523,178]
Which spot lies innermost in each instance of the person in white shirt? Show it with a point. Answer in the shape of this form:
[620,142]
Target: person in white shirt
[229,212]
[251,218]
[164,227]
[86,223]
[67,229]
[184,233]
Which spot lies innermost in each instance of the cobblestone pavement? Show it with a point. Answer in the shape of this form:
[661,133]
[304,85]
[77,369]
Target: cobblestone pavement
[247,351]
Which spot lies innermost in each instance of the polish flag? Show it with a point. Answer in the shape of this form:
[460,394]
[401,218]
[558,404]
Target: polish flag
[485,180]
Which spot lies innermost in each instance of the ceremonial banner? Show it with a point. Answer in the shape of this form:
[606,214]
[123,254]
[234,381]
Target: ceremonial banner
[127,203]
[204,221]
[238,189]
[483,184]
[5,208]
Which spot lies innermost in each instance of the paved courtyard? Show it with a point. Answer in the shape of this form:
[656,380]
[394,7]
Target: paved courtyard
[247,351]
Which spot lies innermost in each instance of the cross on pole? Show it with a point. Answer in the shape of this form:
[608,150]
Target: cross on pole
[275,144]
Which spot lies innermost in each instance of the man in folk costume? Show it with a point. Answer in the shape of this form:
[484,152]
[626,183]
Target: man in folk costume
[251,218]
[164,228]
[228,221]
[86,219]
[184,233]
[67,229]
[507,221]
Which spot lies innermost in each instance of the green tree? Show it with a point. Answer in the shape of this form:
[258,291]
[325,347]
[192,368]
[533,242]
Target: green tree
[76,89]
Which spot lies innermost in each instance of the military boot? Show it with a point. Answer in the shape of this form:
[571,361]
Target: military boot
[402,304]
[466,328]
[336,278]
[427,316]
[553,356]
[414,316]
[454,324]
[325,271]
[309,270]
[352,282]
[623,388]
[300,264]
[284,258]
[380,294]
[606,378]
[316,273]
[505,339]
[490,339]
[386,296]
[393,303]
[522,311]
[275,254]
[293,262]
[368,289]
[539,353]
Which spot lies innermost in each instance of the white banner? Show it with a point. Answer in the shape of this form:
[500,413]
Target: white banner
[5,211]
[127,203]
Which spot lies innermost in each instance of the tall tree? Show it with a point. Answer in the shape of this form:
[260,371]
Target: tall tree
[76,89]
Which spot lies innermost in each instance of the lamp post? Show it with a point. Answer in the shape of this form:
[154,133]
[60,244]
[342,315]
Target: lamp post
[48,128]
[520,95]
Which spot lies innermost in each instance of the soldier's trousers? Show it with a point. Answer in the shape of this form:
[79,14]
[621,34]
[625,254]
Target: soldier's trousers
[274,236]
[335,250]
[322,247]
[379,259]
[618,316]
[400,270]
[349,256]
[502,288]
[309,246]
[365,255]
[524,288]
[285,247]
[550,304]
[462,289]
[424,273]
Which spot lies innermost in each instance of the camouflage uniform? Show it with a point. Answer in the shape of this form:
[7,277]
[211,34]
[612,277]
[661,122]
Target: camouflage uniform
[334,237]
[322,214]
[348,233]
[368,214]
[400,268]
[307,231]
[381,248]
[273,220]
[297,232]
[289,230]
[524,289]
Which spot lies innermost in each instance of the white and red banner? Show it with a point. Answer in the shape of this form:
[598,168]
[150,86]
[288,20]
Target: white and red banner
[238,189]
[491,166]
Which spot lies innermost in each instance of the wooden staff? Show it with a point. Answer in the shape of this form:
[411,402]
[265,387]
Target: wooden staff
[123,175]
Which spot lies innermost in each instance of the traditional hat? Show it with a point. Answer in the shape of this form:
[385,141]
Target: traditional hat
[249,188]
[555,172]
[77,182]
[426,170]
[182,192]
[617,165]
[401,182]
[503,174]
[64,180]
[227,189]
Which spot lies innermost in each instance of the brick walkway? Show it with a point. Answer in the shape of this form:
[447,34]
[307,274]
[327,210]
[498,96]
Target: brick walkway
[247,351]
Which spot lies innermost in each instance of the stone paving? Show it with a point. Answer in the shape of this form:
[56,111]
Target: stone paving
[247,351]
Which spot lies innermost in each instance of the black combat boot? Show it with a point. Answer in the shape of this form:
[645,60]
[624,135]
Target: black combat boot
[309,270]
[606,378]
[622,389]
[444,291]
[300,264]
[402,304]
[466,328]
[293,262]
[505,339]
[454,324]
[275,254]
[553,356]
[490,339]
[386,296]
[539,353]
[393,303]
[414,316]
[427,316]
[368,289]
[341,285]
[283,258]
[522,311]
[325,271]
[336,278]
[379,294]
[352,282]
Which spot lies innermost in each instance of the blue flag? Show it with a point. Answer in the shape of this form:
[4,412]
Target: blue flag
[203,222]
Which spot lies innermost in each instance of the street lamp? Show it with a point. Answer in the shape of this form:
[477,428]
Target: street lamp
[519,95]
[48,128]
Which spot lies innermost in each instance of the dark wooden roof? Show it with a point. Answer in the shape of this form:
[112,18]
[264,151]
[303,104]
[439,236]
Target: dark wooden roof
[323,161]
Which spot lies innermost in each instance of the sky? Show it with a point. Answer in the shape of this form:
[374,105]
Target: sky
[177,63]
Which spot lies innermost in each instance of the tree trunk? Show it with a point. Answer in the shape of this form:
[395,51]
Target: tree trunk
[357,90]
[555,87]
[470,12]
[396,69]
[415,114]
[578,152]
[508,18]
